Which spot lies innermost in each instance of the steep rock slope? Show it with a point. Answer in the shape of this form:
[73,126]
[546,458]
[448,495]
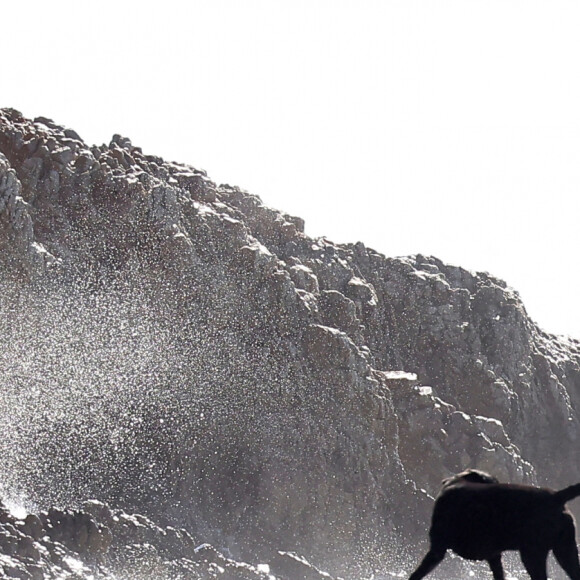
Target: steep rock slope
[184,351]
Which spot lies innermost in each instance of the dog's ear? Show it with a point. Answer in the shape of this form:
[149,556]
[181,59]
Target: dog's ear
[451,480]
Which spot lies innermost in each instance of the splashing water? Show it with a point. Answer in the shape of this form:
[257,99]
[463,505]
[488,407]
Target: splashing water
[83,377]
[17,506]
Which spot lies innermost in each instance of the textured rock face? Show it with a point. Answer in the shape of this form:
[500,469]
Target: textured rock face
[97,542]
[175,348]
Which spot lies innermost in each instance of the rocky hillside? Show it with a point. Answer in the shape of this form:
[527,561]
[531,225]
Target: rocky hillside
[175,348]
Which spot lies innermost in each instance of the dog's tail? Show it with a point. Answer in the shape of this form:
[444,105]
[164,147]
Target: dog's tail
[568,493]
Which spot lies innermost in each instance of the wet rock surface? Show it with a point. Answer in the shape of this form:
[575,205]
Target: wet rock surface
[97,542]
[176,349]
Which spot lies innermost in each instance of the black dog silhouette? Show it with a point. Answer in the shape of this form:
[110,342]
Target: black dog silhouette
[478,518]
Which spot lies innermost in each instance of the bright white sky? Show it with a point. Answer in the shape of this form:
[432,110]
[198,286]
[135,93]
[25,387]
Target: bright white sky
[450,127]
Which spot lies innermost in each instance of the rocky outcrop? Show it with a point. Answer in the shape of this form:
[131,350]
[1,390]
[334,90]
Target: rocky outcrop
[177,349]
[100,543]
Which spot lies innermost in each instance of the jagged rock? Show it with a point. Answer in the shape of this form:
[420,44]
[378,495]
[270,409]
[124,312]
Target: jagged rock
[430,427]
[100,511]
[338,311]
[58,543]
[77,530]
[32,526]
[20,254]
[194,357]
[332,350]
[304,278]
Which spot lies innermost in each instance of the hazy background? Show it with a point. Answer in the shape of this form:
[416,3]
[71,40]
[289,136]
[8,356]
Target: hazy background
[449,128]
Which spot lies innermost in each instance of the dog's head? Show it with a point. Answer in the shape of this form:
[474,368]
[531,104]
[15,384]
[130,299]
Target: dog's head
[473,475]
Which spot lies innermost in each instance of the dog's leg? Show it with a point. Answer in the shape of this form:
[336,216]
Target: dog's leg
[496,567]
[566,551]
[534,561]
[429,562]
